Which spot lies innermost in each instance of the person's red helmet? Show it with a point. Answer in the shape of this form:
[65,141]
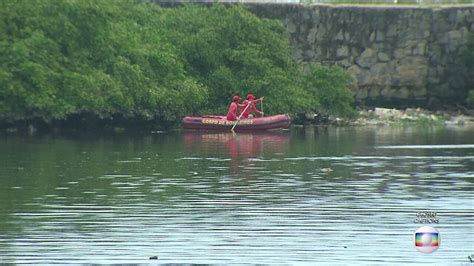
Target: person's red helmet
[250,97]
[236,98]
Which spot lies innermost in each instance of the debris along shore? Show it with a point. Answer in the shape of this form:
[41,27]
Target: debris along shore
[386,116]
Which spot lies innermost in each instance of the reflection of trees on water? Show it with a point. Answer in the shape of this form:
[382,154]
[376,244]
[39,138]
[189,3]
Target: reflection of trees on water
[102,171]
[90,170]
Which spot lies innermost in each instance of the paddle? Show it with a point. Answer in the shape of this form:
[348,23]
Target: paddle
[240,116]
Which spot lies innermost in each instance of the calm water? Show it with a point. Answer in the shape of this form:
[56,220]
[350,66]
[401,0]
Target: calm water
[340,196]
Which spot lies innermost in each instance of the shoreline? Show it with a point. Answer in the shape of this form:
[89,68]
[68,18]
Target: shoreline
[414,116]
[377,116]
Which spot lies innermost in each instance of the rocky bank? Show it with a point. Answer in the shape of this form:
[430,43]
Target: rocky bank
[396,117]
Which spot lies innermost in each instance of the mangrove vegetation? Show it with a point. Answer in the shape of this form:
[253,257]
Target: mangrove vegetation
[136,61]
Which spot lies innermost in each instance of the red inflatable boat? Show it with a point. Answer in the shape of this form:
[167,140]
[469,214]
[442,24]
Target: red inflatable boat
[214,122]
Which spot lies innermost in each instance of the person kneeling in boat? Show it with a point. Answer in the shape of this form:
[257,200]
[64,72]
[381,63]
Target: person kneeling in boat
[248,110]
[234,107]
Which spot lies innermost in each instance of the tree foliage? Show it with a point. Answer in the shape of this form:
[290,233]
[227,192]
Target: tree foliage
[469,63]
[470,98]
[329,86]
[60,58]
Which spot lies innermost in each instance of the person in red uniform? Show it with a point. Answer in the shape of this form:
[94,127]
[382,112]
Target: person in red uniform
[234,107]
[250,101]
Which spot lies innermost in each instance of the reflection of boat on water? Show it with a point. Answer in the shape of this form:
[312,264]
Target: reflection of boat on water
[249,144]
[220,123]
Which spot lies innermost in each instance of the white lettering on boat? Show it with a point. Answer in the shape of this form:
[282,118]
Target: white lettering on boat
[225,122]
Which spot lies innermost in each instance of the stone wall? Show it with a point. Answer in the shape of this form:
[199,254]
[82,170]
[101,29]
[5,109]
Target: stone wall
[398,56]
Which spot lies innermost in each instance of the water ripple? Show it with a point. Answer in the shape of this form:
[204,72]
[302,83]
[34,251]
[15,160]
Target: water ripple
[258,205]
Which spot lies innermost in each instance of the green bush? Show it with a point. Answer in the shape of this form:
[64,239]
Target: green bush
[470,98]
[139,60]
[469,52]
[469,62]
[329,86]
